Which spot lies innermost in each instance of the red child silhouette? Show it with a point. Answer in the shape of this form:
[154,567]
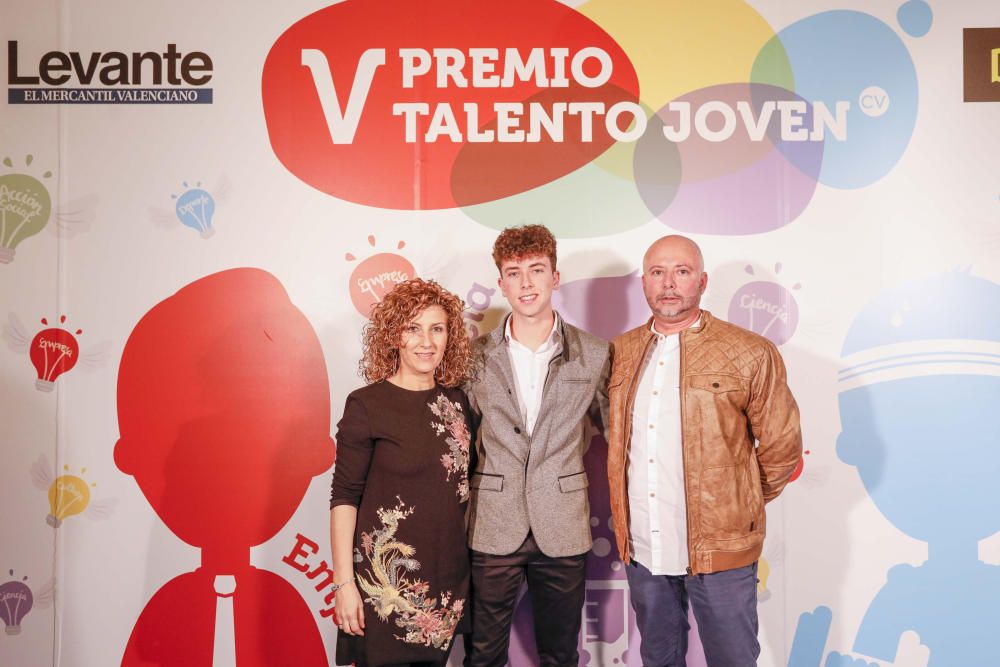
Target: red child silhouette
[224,415]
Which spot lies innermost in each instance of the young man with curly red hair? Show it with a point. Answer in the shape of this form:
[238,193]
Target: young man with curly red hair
[539,379]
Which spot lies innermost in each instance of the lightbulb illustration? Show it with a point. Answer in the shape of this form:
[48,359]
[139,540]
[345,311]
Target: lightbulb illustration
[763,572]
[771,560]
[375,276]
[68,496]
[195,209]
[799,467]
[53,351]
[766,308]
[25,207]
[15,602]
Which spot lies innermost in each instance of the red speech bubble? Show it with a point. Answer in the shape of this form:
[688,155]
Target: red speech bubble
[373,101]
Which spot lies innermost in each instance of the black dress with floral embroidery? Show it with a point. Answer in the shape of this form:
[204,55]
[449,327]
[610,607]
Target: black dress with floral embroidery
[403,461]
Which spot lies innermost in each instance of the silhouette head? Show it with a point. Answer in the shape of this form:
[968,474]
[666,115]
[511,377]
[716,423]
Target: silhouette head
[920,385]
[224,409]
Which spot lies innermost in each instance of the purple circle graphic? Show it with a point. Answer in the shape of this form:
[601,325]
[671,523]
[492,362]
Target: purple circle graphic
[767,309]
[748,160]
[606,307]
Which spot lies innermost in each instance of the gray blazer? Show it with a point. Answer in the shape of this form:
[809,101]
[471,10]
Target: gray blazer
[537,483]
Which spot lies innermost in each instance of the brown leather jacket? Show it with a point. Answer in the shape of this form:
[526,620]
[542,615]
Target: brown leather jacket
[733,392]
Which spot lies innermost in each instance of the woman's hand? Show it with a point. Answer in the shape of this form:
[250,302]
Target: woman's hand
[350,610]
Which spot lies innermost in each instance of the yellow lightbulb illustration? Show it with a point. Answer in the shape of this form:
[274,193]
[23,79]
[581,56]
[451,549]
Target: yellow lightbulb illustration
[68,495]
[763,572]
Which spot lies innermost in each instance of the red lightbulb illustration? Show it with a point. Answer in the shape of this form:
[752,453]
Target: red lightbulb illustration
[373,278]
[53,351]
[799,467]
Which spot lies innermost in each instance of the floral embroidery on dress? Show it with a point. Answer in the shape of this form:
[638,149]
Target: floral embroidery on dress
[456,461]
[389,589]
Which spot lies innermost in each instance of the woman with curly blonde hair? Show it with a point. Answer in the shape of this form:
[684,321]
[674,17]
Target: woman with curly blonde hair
[401,485]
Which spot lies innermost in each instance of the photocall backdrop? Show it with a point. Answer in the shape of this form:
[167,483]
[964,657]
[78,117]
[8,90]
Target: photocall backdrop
[200,202]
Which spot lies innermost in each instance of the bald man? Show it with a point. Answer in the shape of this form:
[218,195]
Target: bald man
[703,432]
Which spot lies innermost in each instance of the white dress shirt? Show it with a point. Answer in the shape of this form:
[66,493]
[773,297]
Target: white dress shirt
[530,370]
[657,505]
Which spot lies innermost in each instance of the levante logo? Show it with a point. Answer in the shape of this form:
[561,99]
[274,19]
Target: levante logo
[112,77]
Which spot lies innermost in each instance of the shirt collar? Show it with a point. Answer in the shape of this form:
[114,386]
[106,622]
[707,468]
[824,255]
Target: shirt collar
[554,338]
[659,336]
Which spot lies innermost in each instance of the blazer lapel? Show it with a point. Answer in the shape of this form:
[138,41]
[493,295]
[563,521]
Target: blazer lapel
[548,409]
[548,395]
[498,357]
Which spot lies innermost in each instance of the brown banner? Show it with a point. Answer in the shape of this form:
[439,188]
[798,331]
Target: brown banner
[982,64]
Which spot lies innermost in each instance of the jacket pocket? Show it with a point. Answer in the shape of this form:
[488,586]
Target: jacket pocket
[717,403]
[573,482]
[755,494]
[486,482]
[725,511]
[717,384]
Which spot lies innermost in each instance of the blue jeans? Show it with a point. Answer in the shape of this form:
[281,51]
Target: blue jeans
[725,607]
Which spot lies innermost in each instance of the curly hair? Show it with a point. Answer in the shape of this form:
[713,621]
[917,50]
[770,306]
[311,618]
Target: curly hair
[515,243]
[383,333]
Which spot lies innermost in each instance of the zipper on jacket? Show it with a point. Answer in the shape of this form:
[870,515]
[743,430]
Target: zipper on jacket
[687,504]
[633,389]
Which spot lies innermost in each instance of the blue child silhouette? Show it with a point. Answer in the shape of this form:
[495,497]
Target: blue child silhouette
[919,406]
